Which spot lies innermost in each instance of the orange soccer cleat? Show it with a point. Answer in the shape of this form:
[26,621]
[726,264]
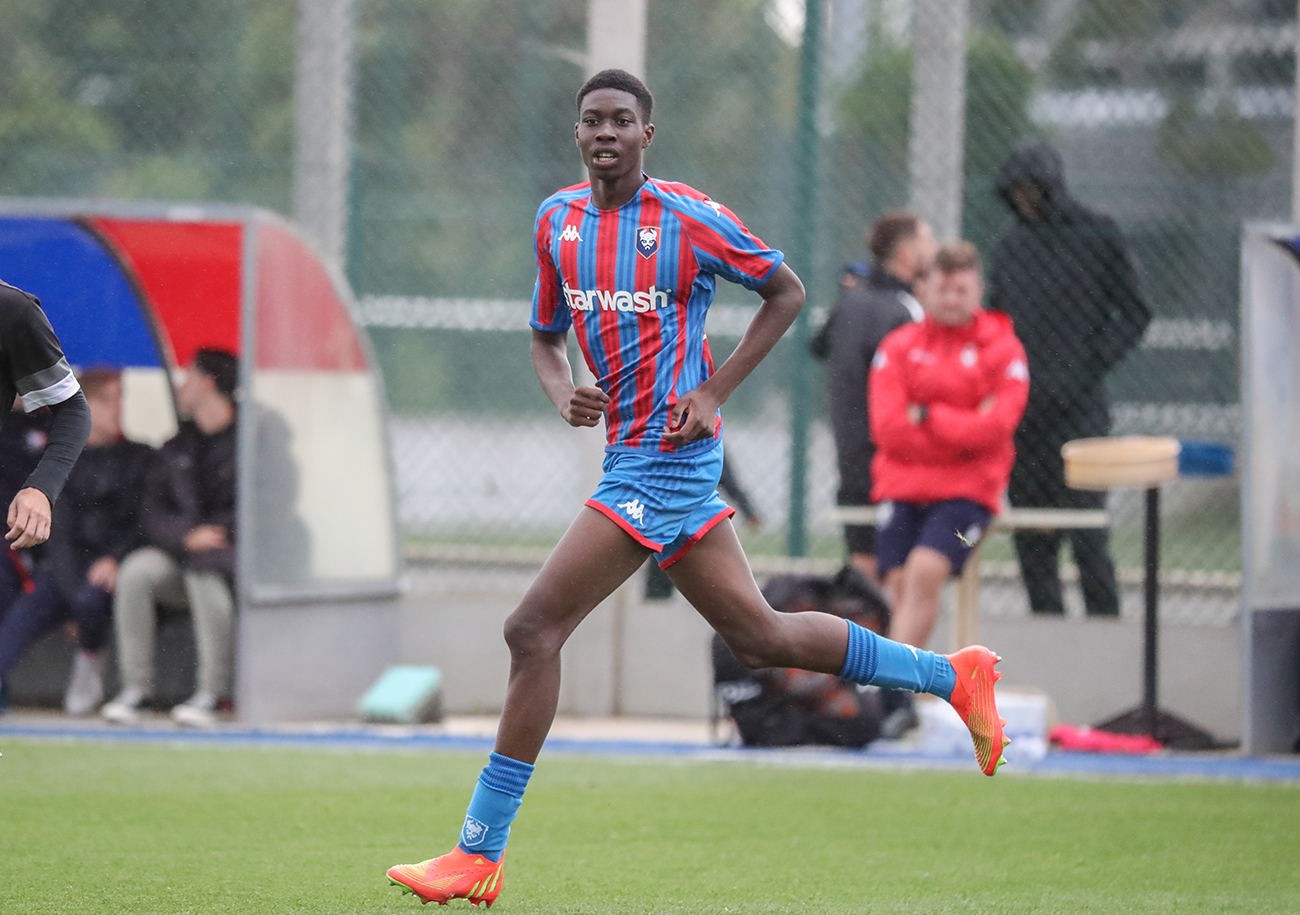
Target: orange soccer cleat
[455,875]
[974,701]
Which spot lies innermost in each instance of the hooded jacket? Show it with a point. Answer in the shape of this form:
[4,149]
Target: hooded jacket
[1066,280]
[960,450]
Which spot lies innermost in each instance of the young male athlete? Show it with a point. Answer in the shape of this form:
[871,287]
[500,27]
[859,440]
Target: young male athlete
[630,263]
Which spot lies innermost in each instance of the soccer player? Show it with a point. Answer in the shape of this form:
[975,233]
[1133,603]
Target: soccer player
[32,366]
[630,263]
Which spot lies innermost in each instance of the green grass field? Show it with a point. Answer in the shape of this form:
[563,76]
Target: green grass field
[108,828]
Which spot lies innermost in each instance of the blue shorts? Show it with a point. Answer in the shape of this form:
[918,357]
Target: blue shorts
[941,526]
[664,502]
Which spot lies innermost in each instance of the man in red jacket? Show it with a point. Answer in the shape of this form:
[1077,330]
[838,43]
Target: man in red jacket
[945,398]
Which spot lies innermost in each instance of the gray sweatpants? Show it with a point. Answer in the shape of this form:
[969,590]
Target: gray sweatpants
[149,577]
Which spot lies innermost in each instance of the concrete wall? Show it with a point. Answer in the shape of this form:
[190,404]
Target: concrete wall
[639,658]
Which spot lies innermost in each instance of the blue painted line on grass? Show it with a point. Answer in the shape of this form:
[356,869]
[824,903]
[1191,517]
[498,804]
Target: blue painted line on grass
[1161,765]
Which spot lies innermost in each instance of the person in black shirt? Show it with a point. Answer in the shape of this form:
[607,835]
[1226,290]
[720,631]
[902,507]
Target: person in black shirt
[189,524]
[902,249]
[32,367]
[97,524]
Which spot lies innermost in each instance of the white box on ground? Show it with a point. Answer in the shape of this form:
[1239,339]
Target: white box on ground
[941,732]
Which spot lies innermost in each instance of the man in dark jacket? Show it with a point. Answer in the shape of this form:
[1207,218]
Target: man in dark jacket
[189,520]
[902,249]
[1062,273]
[96,523]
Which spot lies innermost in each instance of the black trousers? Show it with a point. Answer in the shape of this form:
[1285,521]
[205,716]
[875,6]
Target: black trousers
[1038,481]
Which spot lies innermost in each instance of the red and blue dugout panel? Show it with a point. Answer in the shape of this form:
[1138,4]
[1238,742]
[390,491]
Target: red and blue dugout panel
[143,287]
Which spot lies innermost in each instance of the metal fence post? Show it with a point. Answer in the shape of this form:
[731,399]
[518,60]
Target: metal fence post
[322,99]
[801,260]
[935,148]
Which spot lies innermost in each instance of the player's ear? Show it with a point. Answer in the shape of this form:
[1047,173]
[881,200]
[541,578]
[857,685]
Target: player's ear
[649,136]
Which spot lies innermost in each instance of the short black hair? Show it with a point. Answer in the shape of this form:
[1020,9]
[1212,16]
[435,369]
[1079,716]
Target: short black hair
[222,367]
[624,82]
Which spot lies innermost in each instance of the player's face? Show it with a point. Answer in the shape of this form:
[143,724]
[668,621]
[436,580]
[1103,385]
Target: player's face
[956,297]
[611,134]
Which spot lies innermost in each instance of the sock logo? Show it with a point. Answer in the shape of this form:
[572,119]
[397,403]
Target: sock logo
[473,833]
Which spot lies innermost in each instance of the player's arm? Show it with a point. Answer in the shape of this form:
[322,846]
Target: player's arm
[579,406]
[32,511]
[693,415]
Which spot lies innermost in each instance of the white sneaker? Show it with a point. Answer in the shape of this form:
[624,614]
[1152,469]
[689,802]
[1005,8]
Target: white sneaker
[125,709]
[85,685]
[199,711]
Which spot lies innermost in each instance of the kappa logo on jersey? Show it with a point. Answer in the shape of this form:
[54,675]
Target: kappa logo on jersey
[652,299]
[714,206]
[570,233]
[635,510]
[647,241]
[473,832]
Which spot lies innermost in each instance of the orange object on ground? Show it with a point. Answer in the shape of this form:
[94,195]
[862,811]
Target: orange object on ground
[455,875]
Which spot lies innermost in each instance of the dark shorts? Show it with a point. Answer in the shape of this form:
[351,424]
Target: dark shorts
[952,527]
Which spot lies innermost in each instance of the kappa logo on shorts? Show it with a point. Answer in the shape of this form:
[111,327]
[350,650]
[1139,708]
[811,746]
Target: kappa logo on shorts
[474,832]
[570,233]
[635,510]
[647,241]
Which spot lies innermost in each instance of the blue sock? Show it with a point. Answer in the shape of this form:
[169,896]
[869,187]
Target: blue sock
[496,800]
[881,662]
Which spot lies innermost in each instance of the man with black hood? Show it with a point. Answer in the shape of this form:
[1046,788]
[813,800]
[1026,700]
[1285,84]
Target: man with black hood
[902,249]
[1063,275]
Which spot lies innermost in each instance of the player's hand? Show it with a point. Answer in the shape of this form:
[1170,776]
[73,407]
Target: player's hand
[103,574]
[29,520]
[694,417]
[206,537]
[585,407]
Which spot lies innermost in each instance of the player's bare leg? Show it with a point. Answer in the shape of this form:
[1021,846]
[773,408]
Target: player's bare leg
[914,590]
[715,577]
[591,560]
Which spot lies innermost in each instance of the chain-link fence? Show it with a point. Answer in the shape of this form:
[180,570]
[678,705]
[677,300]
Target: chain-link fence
[1173,117]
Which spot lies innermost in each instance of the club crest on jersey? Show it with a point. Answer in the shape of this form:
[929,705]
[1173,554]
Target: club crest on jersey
[647,241]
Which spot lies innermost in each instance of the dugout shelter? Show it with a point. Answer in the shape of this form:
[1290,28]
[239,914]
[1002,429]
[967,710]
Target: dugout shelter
[143,287]
[1270,494]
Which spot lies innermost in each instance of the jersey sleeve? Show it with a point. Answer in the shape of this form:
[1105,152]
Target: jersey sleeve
[41,374]
[723,246]
[550,310]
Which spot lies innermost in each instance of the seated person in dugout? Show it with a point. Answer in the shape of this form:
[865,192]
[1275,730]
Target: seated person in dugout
[188,562]
[96,523]
[945,398]
[786,706]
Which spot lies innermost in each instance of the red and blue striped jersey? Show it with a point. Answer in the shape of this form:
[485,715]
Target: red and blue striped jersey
[636,284]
